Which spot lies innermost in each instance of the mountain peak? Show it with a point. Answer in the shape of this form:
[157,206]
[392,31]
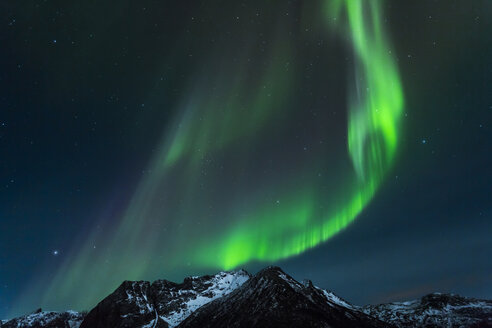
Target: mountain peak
[270,298]
[436,310]
[162,303]
[271,268]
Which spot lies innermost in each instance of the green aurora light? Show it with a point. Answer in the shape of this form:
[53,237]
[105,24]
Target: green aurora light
[375,111]
[210,125]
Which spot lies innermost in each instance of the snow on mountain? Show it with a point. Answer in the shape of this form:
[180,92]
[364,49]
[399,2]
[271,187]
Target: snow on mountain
[45,319]
[271,298]
[435,310]
[220,285]
[162,303]
[332,298]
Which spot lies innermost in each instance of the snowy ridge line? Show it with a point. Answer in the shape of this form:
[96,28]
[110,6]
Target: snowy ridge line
[201,302]
[44,318]
[222,284]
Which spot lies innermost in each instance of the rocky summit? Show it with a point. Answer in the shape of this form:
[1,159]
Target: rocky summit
[271,298]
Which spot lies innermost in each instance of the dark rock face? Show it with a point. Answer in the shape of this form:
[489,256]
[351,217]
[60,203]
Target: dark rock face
[128,306]
[273,299]
[435,310]
[40,319]
[162,303]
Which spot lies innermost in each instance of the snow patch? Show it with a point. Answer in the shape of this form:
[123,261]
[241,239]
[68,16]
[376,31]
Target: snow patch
[221,285]
[334,299]
[73,318]
[292,283]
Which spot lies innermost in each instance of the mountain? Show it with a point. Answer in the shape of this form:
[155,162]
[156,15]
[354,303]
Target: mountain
[162,303]
[271,298]
[274,299]
[435,310]
[40,319]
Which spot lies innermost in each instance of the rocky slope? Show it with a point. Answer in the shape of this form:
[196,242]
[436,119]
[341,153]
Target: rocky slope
[274,299]
[271,298]
[45,319]
[435,310]
[162,303]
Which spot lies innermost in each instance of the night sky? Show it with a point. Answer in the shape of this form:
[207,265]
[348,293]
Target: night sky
[348,142]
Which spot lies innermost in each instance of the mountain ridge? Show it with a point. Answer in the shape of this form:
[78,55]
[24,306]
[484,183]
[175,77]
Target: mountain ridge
[270,298]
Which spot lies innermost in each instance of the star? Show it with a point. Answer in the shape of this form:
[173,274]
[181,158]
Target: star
[55,252]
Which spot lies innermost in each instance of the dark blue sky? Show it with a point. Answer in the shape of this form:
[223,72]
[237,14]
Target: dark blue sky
[82,112]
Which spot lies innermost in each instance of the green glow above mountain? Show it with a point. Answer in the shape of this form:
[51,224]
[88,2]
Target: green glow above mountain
[376,104]
[213,195]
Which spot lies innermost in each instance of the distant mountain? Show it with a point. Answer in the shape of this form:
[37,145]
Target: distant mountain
[40,319]
[435,310]
[271,298]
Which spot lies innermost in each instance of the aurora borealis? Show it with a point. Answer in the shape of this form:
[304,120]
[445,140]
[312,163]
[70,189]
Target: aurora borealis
[372,140]
[212,136]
